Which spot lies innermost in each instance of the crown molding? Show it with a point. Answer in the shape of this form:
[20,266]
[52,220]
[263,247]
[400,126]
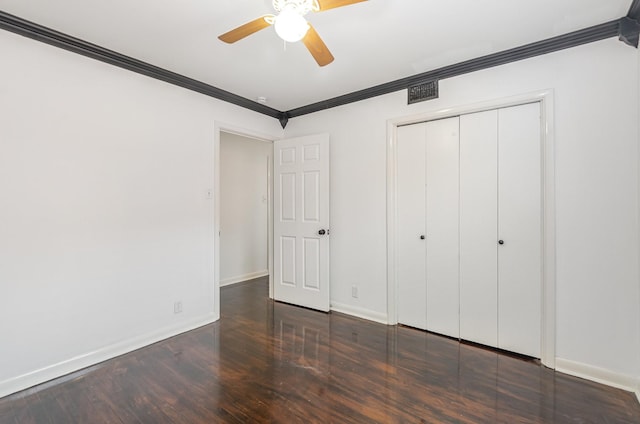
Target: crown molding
[572,39]
[46,35]
[634,10]
[588,35]
[630,25]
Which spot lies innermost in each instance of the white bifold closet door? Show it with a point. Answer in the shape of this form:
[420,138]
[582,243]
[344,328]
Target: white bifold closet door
[500,228]
[411,206]
[471,185]
[479,227]
[520,229]
[442,238]
[427,200]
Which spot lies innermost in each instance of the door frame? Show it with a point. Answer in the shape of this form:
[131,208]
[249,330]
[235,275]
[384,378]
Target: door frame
[548,306]
[234,129]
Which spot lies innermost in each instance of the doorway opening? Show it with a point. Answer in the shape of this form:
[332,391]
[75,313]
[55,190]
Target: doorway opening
[243,208]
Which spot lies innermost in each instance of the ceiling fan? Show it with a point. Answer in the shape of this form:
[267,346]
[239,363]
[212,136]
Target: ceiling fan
[291,25]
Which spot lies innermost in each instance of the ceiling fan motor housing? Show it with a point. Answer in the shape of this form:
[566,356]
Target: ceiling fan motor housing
[301,7]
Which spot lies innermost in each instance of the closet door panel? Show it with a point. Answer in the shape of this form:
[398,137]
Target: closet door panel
[479,227]
[412,280]
[442,150]
[520,227]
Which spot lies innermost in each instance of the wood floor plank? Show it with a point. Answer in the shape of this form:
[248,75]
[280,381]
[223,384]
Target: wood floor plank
[266,362]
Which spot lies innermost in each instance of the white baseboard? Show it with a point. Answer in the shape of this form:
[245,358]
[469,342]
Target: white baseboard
[359,312]
[245,277]
[33,378]
[599,375]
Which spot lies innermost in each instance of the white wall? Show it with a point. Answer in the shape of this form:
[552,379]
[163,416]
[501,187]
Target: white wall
[104,218]
[104,222]
[596,116]
[243,207]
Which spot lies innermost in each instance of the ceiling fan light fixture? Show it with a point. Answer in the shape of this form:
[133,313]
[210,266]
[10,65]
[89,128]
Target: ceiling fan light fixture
[290,25]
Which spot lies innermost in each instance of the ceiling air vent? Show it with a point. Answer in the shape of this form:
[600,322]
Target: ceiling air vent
[421,92]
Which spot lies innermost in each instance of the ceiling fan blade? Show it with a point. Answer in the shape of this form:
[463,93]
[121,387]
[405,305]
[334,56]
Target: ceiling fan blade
[246,29]
[332,4]
[316,47]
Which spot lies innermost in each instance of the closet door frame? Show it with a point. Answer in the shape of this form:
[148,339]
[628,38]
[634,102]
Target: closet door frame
[548,304]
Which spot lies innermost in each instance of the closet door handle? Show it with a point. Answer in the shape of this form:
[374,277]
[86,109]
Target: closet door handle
[422,237]
[500,241]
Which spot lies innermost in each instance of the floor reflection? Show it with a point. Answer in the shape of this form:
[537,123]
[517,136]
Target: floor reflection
[365,372]
[268,362]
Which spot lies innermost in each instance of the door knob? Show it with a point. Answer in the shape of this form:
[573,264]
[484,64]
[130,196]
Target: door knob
[500,241]
[322,232]
[422,237]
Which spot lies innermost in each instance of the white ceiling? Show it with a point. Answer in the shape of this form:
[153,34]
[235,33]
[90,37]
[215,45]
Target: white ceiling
[373,42]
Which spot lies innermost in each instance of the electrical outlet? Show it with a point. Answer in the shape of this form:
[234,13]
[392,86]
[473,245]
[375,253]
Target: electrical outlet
[354,292]
[177,307]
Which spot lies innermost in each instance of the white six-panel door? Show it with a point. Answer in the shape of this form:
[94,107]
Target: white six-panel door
[301,221]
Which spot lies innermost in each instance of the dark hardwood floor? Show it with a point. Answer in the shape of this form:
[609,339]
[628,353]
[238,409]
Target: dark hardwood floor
[271,362]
